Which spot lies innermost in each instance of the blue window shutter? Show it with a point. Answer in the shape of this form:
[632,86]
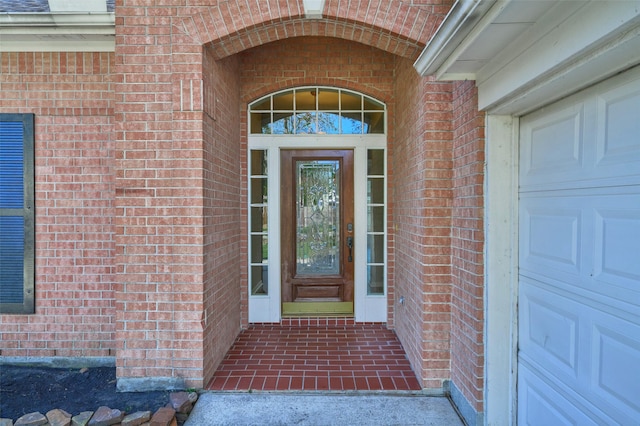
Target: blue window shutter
[16,213]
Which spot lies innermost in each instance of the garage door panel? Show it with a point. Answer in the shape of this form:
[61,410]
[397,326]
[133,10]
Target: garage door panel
[543,404]
[548,330]
[581,348]
[617,248]
[553,238]
[553,146]
[616,372]
[550,236]
[617,119]
[583,143]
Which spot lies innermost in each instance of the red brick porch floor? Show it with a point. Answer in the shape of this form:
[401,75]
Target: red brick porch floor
[315,354]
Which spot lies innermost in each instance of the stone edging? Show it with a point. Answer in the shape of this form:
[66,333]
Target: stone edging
[174,413]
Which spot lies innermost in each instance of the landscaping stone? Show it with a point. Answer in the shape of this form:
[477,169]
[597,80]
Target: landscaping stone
[165,416]
[136,418]
[82,419]
[32,419]
[59,417]
[180,402]
[105,416]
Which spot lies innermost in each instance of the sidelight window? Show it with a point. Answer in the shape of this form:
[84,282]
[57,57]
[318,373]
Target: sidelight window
[258,223]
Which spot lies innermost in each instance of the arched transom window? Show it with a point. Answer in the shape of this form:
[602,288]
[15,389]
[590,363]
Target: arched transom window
[316,111]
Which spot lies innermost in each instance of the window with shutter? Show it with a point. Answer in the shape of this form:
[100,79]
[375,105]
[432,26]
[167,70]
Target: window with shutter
[17,230]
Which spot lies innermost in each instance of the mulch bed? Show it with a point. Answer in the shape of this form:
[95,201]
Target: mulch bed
[27,389]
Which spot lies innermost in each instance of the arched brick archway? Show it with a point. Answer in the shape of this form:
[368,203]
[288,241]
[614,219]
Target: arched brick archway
[398,27]
[179,127]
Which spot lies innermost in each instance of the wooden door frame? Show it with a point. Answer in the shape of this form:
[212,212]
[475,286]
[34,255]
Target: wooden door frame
[341,302]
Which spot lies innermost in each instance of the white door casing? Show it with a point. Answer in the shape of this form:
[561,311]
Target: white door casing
[367,308]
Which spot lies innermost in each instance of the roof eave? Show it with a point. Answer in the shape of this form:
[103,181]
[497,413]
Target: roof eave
[59,31]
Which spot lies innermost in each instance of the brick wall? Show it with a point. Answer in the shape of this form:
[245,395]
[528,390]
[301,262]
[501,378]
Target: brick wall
[421,195]
[71,95]
[222,220]
[159,233]
[140,182]
[467,241]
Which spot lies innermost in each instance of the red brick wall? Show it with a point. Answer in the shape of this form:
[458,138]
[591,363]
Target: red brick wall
[222,219]
[140,183]
[159,198]
[177,198]
[71,95]
[421,195]
[467,241]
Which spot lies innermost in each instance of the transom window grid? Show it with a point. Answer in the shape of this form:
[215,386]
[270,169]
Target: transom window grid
[316,111]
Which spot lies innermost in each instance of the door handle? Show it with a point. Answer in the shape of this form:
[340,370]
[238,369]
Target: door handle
[350,245]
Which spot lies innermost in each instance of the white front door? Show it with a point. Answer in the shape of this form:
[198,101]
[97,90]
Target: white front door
[579,262]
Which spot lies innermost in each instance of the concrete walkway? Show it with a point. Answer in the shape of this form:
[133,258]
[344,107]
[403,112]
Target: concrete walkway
[321,409]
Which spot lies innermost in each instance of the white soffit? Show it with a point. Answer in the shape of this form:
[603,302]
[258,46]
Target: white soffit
[484,29]
[313,8]
[525,53]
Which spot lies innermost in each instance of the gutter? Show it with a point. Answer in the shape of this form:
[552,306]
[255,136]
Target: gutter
[458,23]
[57,32]
[28,23]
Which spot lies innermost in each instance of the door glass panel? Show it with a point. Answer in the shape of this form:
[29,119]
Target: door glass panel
[375,162]
[283,123]
[375,190]
[370,104]
[329,123]
[306,99]
[375,248]
[259,281]
[352,101]
[283,101]
[261,123]
[374,122]
[375,218]
[318,217]
[306,122]
[264,105]
[375,279]
[259,248]
[328,99]
[258,190]
[258,163]
[351,123]
[258,219]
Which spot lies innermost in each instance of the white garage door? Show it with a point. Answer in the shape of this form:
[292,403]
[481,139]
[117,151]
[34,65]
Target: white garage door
[579,282]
